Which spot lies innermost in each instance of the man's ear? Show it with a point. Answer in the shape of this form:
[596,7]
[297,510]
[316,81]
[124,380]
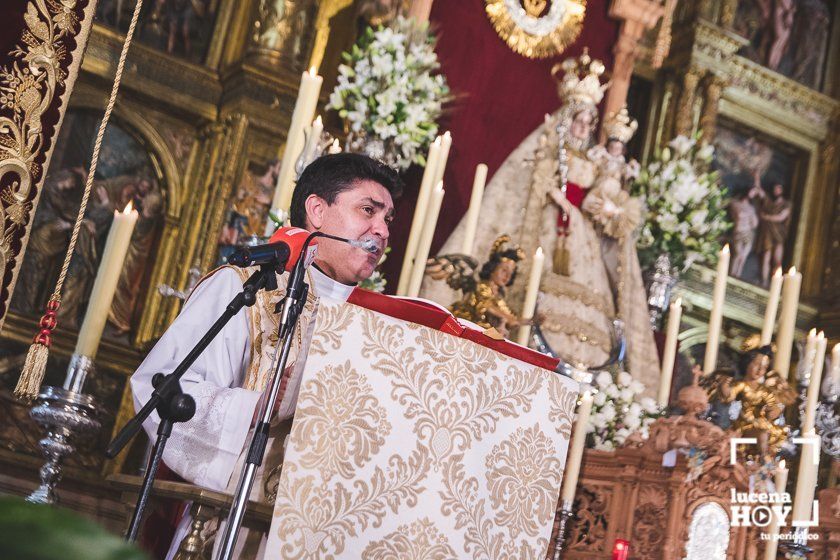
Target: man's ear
[315,207]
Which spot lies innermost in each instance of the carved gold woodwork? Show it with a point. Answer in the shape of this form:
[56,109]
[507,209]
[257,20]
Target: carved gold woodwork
[537,36]
[685,106]
[712,90]
[281,33]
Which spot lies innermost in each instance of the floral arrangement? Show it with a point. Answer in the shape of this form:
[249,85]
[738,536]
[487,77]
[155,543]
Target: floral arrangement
[389,90]
[686,206]
[618,411]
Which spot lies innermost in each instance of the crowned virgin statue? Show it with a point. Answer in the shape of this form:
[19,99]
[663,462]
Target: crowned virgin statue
[541,196]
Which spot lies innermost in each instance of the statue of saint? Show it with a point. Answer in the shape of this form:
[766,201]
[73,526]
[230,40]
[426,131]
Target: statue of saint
[773,227]
[528,197]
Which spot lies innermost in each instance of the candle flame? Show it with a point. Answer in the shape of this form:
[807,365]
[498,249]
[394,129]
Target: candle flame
[792,270]
[678,302]
[318,120]
[778,272]
[313,70]
[128,207]
[725,248]
[539,251]
[781,465]
[447,134]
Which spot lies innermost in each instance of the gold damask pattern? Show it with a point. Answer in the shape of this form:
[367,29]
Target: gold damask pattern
[411,443]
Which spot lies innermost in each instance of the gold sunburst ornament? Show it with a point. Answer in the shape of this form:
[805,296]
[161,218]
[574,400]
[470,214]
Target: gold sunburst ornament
[537,28]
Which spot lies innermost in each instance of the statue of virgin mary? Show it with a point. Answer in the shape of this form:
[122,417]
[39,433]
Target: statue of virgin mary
[537,196]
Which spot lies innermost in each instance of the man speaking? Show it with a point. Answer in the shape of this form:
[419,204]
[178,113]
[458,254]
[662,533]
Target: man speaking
[346,195]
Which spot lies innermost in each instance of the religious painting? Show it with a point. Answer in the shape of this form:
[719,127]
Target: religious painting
[177,27]
[127,173]
[248,208]
[788,36]
[763,178]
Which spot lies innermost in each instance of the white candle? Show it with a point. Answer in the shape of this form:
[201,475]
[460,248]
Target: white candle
[570,476]
[425,244]
[806,480]
[440,167]
[420,10]
[313,139]
[835,367]
[813,395]
[772,545]
[716,314]
[417,222]
[105,285]
[787,321]
[475,208]
[670,352]
[772,308]
[335,147]
[307,100]
[531,292]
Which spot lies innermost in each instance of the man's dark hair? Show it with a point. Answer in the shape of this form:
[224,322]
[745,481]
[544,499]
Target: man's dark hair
[330,175]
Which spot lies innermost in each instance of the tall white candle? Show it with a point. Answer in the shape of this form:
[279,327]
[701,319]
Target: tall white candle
[425,244]
[440,167]
[307,100]
[669,354]
[780,482]
[813,395]
[716,314]
[105,285]
[572,472]
[531,292]
[835,368]
[772,307]
[417,222]
[787,321]
[313,138]
[475,208]
[806,480]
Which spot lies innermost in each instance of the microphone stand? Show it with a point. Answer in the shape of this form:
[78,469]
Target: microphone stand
[171,403]
[291,305]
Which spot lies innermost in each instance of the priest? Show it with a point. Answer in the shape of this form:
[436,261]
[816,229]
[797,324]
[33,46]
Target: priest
[346,195]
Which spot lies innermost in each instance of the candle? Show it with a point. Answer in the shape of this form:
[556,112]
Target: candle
[440,167]
[716,314]
[570,477]
[314,138]
[807,358]
[835,368]
[105,285]
[813,396]
[806,480]
[335,147]
[420,10]
[474,209]
[425,243]
[531,292]
[787,321]
[670,352]
[307,100]
[772,308]
[773,530]
[417,221]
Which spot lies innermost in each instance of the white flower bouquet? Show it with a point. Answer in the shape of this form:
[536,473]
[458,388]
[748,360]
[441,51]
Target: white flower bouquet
[618,411]
[686,215]
[389,90]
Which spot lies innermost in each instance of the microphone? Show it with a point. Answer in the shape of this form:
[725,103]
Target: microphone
[283,249]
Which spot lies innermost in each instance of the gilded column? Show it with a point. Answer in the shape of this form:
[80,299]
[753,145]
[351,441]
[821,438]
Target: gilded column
[281,33]
[713,87]
[685,106]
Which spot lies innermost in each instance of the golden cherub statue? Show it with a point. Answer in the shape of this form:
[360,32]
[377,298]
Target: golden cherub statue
[483,300]
[763,395]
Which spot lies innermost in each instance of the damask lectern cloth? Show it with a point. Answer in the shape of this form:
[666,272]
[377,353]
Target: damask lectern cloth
[412,443]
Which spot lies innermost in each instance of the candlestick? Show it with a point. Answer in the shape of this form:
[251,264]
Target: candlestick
[670,352]
[531,292]
[716,314]
[105,285]
[570,477]
[417,222]
[780,483]
[772,308]
[806,480]
[307,100]
[787,321]
[425,243]
[813,395]
[475,208]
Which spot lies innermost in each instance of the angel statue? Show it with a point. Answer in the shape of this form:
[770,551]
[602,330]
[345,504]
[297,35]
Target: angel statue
[539,195]
[483,301]
[762,395]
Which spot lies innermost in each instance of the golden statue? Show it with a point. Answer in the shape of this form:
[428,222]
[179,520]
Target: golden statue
[762,394]
[483,300]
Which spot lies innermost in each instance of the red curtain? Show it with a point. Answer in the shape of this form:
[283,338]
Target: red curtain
[500,97]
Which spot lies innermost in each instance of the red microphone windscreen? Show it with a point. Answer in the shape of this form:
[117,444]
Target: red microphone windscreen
[294,237]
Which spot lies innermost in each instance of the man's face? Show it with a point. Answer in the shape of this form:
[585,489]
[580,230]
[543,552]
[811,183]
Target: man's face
[363,211]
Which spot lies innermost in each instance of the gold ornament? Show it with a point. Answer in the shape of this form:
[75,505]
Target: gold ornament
[537,28]
[620,126]
[581,80]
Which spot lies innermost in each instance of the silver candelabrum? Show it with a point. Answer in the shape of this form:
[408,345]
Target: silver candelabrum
[662,281]
[566,514]
[67,415]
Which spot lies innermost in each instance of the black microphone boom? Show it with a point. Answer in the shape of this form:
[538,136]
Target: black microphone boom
[271,253]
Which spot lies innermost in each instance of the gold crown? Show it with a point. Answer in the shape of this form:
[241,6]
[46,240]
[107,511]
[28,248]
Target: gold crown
[581,80]
[620,126]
